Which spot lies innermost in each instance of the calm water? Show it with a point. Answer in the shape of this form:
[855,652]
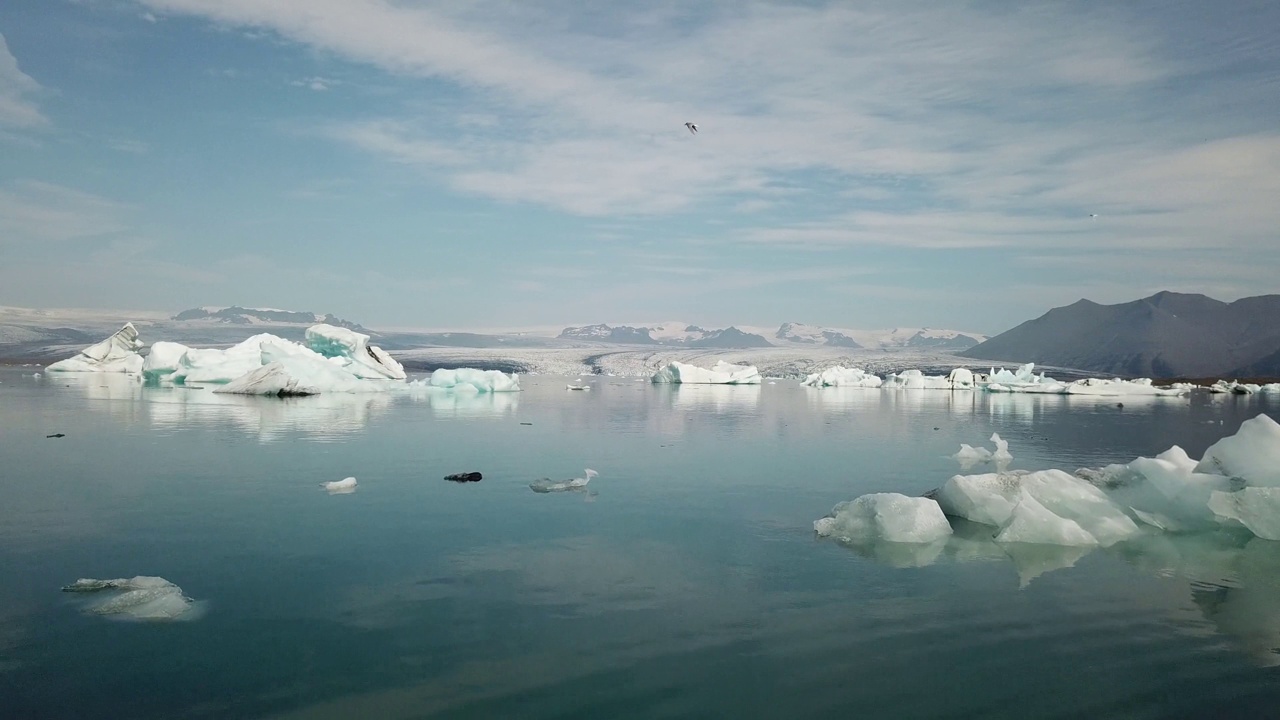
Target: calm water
[687,584]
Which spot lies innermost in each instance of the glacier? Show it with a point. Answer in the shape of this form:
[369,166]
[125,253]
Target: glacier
[722,373]
[117,354]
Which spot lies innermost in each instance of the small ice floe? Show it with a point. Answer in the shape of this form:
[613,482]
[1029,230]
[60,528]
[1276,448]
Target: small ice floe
[969,456]
[887,517]
[547,485]
[583,386]
[340,487]
[36,376]
[464,477]
[140,598]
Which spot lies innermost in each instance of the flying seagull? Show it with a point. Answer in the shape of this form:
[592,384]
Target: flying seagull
[1094,216]
[693,129]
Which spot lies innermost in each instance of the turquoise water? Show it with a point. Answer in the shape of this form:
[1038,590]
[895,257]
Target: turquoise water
[686,583]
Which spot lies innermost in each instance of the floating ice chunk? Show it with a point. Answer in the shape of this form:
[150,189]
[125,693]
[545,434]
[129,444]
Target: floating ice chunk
[969,456]
[1169,493]
[1257,508]
[1253,454]
[1234,387]
[722,373]
[117,354]
[917,380]
[470,380]
[296,375]
[888,517]
[1120,388]
[584,386]
[163,359]
[1001,457]
[359,357]
[340,487]
[547,485]
[211,365]
[987,499]
[993,498]
[961,378]
[142,597]
[1031,522]
[840,376]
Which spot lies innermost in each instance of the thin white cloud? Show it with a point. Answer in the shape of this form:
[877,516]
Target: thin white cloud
[316,83]
[32,211]
[17,108]
[977,128]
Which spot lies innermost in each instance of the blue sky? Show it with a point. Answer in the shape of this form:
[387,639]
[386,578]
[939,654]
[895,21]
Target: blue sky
[502,164]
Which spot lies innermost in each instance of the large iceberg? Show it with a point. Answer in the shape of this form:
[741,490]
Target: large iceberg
[1252,454]
[353,352]
[116,354]
[722,373]
[470,380]
[1025,380]
[916,380]
[840,376]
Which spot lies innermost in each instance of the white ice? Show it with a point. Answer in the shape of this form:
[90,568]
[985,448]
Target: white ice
[163,359]
[340,487]
[722,373]
[470,380]
[547,485]
[1252,454]
[1033,523]
[116,354]
[1234,387]
[886,517]
[1256,508]
[840,376]
[969,456]
[354,353]
[916,380]
[142,597]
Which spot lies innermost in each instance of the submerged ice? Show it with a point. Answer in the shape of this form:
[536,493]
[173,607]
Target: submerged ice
[141,597]
[547,485]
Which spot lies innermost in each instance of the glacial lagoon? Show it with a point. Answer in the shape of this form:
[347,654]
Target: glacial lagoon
[684,581]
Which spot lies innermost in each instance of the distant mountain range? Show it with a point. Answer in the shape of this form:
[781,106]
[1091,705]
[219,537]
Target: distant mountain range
[690,336]
[1166,335]
[788,334]
[236,315]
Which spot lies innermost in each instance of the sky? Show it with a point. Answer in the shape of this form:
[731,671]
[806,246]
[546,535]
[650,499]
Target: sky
[504,163]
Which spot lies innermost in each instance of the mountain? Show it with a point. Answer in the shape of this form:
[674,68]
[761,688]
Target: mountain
[236,315]
[669,334]
[604,333]
[1166,335]
[730,337]
[812,335]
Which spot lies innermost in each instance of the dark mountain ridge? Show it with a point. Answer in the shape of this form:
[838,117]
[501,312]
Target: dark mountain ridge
[1166,335]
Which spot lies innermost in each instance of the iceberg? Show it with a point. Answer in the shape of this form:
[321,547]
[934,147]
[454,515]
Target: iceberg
[1034,524]
[141,597]
[1252,454]
[887,517]
[1235,388]
[1119,388]
[722,373]
[354,353]
[470,380]
[210,365]
[116,354]
[1256,508]
[840,376]
[969,456]
[163,359]
[340,487]
[916,380]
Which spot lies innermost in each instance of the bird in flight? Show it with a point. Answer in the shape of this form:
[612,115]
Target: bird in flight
[1093,216]
[693,129]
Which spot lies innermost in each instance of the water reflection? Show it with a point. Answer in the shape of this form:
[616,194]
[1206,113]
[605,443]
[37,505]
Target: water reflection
[1231,581]
[714,398]
[450,403]
[320,417]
